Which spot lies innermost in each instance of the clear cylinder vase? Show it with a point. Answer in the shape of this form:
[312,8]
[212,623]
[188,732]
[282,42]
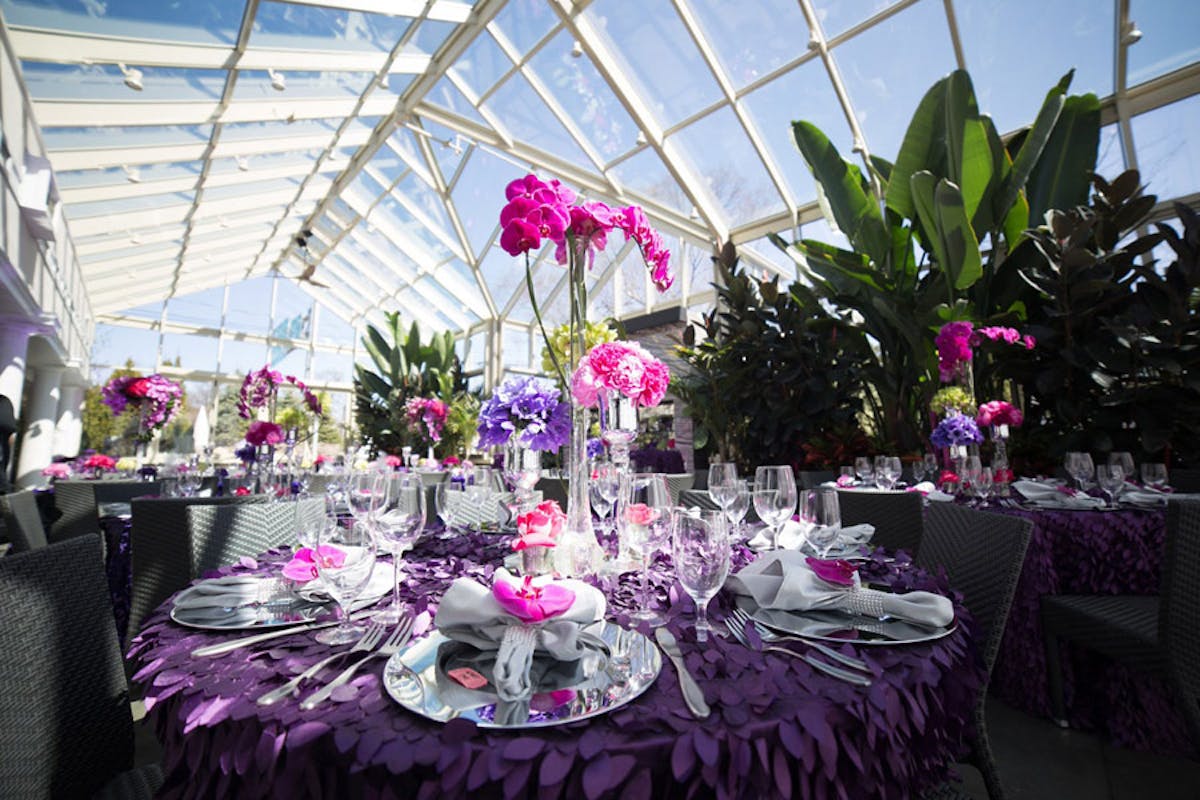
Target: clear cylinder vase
[537,561]
[578,553]
[1001,471]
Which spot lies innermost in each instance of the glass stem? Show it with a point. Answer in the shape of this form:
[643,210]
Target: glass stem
[702,620]
[396,577]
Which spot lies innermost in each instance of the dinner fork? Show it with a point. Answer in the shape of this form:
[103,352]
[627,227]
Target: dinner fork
[366,642]
[398,639]
[834,672]
[770,636]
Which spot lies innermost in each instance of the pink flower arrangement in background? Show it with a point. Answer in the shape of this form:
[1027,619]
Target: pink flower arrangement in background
[393,462]
[260,433]
[58,471]
[260,387]
[157,399]
[100,461]
[539,211]
[624,367]
[540,527]
[956,341]
[999,412]
[428,411]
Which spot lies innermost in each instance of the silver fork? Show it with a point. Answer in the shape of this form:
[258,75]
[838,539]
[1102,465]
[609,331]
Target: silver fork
[366,642]
[398,639]
[834,672]
[768,635]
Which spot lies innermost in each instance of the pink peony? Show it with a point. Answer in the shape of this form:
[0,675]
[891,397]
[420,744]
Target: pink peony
[999,412]
[260,433]
[585,388]
[99,461]
[655,379]
[57,470]
[540,527]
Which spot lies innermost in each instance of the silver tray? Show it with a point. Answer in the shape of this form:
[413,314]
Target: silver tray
[412,678]
[840,626]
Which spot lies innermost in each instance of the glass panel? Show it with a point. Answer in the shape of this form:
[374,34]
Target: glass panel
[113,345]
[1110,158]
[835,16]
[1009,83]
[314,28]
[632,299]
[885,81]
[718,148]
[646,174]
[256,85]
[215,21]
[106,82]
[332,329]
[525,22]
[393,211]
[446,95]
[289,360]
[276,187]
[762,248]
[656,52]
[518,106]
[417,192]
[190,351]
[197,308]
[585,96]
[442,143]
[479,195]
[1168,38]
[805,93]
[238,358]
[139,136]
[752,39]
[482,64]
[115,176]
[250,306]
[503,274]
[238,131]
[431,35]
[333,367]
[125,205]
[1168,151]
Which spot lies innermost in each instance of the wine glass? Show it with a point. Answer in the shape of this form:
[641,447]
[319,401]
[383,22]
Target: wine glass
[972,467]
[774,497]
[722,480]
[985,482]
[930,464]
[448,498]
[603,488]
[865,470]
[700,550]
[365,494]
[1079,466]
[736,512]
[522,471]
[1125,460]
[887,471]
[398,525]
[643,514]
[345,557]
[1154,475]
[1110,477]
[310,518]
[821,515]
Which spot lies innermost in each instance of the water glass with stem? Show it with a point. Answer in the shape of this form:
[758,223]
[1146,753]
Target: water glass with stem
[643,514]
[736,512]
[774,497]
[449,497]
[398,525]
[972,467]
[931,468]
[345,558]
[1154,475]
[310,518]
[604,488]
[700,550]
[887,472]
[722,480]
[1125,461]
[1080,467]
[865,470]
[366,494]
[1110,478]
[985,483]
[821,516]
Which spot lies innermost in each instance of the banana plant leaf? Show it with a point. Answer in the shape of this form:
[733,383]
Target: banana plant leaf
[1062,175]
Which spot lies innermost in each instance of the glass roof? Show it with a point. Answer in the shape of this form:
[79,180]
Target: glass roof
[193,142]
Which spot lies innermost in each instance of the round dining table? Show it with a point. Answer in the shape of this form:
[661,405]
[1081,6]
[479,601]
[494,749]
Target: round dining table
[778,728]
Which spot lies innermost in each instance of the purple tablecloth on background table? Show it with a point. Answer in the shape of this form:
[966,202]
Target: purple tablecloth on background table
[118,568]
[651,459]
[1089,552]
[777,729]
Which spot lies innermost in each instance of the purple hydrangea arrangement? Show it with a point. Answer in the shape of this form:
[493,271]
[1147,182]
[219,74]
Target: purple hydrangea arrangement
[956,429]
[532,409]
[157,399]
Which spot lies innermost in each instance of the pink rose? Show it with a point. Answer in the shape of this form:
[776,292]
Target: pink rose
[540,527]
[655,380]
[530,603]
[641,514]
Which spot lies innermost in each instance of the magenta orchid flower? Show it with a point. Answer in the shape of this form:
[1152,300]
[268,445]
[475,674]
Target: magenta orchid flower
[303,566]
[530,603]
[836,571]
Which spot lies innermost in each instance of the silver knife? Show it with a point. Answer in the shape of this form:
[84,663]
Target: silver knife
[246,641]
[691,692]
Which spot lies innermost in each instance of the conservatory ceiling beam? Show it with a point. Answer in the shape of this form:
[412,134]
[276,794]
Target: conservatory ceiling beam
[1155,93]
[123,238]
[606,63]
[101,267]
[441,10]
[108,113]
[61,47]
[120,191]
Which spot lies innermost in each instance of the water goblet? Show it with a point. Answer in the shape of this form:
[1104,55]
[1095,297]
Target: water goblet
[603,488]
[972,467]
[865,470]
[985,483]
[821,515]
[700,550]
[1154,475]
[887,472]
[774,497]
[736,512]
[1079,466]
[345,557]
[930,466]
[310,518]
[365,494]
[722,479]
[398,525]
[448,498]
[1125,461]
[1110,478]
[643,514]
[522,470]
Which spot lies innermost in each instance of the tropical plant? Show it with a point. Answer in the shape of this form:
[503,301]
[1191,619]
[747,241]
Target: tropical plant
[953,186]
[404,368]
[461,422]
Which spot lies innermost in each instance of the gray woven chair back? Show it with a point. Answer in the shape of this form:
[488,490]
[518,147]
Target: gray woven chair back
[678,484]
[698,498]
[982,554]
[75,503]
[161,555]
[898,517]
[65,726]
[22,522]
[1179,613]
[812,478]
[124,491]
[221,534]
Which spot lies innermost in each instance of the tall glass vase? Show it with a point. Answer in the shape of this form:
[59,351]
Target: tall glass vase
[1001,471]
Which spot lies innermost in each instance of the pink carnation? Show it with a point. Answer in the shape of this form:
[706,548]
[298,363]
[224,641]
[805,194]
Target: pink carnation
[655,380]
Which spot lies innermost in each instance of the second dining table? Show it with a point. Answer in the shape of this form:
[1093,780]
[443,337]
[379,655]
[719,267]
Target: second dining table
[778,727]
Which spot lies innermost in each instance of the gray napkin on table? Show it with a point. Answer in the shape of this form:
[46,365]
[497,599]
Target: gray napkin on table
[470,613]
[783,580]
[791,537]
[1048,495]
[227,592]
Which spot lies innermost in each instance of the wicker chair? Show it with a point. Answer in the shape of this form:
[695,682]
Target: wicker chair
[698,498]
[1153,634]
[898,517]
[982,554]
[161,550]
[65,724]
[221,534]
[678,484]
[22,522]
[1185,480]
[78,502]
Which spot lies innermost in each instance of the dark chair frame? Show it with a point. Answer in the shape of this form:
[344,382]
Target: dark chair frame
[898,517]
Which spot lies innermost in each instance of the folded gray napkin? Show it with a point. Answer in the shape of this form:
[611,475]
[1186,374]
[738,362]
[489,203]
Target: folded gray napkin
[783,580]
[470,613]
[228,592]
[791,537]
[1049,495]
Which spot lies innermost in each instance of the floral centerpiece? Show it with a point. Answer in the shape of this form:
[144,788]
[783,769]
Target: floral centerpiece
[156,398]
[426,417]
[538,530]
[536,212]
[257,398]
[58,471]
[99,463]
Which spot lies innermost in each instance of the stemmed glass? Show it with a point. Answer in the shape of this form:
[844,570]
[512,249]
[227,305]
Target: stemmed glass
[930,464]
[722,483]
[398,525]
[887,471]
[865,470]
[448,498]
[522,470]
[972,468]
[1125,461]
[345,557]
[774,497]
[821,515]
[366,494]
[736,512]
[604,487]
[1079,466]
[1154,475]
[985,482]
[700,550]
[643,514]
[1110,477]
[310,518]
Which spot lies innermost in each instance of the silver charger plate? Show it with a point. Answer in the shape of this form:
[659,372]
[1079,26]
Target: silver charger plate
[411,678]
[841,627]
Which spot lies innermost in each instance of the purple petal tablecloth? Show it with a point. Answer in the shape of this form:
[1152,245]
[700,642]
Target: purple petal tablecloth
[1089,552]
[651,459]
[118,569]
[778,728]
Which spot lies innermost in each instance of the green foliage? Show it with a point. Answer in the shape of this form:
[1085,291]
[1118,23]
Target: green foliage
[771,373]
[462,420]
[404,368]
[229,428]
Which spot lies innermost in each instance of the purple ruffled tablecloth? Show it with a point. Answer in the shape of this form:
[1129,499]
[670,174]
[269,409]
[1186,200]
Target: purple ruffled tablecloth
[1089,552]
[778,728]
[118,568]
[651,459]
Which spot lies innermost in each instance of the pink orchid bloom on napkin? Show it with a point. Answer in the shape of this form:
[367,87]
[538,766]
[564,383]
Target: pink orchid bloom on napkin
[844,481]
[530,603]
[540,527]
[640,514]
[836,571]
[303,566]
[57,470]
[548,701]
[1067,490]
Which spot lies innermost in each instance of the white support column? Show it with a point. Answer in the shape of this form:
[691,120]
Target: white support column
[37,443]
[68,432]
[14,343]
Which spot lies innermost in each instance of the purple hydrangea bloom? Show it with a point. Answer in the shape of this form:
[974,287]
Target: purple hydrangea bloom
[595,448]
[956,429]
[528,407]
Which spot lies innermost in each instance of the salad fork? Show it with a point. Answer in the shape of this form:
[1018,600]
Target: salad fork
[770,636]
[855,678]
[366,642]
[399,638]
